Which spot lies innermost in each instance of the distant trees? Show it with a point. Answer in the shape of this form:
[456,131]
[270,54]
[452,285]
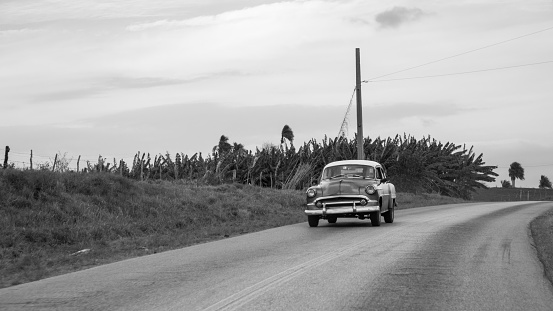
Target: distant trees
[505,184]
[516,172]
[414,165]
[227,157]
[288,134]
[544,182]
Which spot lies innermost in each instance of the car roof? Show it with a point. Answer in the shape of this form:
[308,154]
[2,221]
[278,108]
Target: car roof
[353,162]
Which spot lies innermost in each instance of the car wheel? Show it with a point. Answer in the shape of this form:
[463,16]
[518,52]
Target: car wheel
[375,219]
[332,219]
[313,221]
[389,215]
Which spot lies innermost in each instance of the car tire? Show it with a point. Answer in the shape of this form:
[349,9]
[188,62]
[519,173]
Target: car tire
[313,221]
[332,219]
[375,219]
[389,215]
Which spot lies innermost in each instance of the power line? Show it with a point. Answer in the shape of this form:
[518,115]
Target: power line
[540,165]
[344,126]
[463,53]
[459,73]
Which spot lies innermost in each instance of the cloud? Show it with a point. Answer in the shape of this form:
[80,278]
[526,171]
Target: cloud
[398,15]
[67,94]
[405,110]
[171,24]
[121,82]
[196,127]
[7,33]
[114,83]
[251,125]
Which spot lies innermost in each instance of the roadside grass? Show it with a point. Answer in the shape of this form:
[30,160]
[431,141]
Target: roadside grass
[542,233]
[46,218]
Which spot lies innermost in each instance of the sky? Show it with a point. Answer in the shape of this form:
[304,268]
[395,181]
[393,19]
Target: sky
[112,78]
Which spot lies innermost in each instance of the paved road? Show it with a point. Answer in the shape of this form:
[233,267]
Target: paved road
[453,257]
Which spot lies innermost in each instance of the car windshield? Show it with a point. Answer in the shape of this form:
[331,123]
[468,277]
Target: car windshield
[349,171]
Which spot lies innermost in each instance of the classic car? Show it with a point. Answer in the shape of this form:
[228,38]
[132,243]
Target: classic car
[351,189]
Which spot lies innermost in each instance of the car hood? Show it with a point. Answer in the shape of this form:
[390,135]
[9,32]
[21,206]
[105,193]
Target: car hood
[344,186]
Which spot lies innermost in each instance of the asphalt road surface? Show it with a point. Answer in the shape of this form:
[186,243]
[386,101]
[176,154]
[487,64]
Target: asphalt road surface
[452,257]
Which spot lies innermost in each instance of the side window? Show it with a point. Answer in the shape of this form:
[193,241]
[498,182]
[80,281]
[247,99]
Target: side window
[378,173]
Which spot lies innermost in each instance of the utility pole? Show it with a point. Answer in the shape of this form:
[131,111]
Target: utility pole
[360,151]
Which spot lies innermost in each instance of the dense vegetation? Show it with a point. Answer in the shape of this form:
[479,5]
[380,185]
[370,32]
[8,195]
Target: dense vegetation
[416,166]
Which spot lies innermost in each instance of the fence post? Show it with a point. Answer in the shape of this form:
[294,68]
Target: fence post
[78,160]
[142,170]
[6,157]
[55,161]
[31,159]
[142,166]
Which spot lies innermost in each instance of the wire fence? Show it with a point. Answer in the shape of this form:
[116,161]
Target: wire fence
[33,160]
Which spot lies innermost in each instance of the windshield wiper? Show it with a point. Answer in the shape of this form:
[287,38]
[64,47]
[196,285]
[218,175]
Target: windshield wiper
[341,175]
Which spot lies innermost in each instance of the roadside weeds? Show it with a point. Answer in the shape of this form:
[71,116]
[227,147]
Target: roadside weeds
[542,233]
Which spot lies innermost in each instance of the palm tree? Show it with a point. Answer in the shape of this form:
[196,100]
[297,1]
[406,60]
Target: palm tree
[516,172]
[288,134]
[544,182]
[223,147]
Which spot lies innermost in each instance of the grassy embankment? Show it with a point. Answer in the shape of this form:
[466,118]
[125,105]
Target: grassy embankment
[46,218]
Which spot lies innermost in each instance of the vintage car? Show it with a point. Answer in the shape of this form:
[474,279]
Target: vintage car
[351,189]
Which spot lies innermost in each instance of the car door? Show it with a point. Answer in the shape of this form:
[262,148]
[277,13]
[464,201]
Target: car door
[383,188]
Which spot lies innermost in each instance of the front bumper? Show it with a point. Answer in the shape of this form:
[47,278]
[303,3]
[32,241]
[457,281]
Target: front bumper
[353,207]
[342,210]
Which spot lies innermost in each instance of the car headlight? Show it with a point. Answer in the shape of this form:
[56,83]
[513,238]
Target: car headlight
[370,189]
[311,192]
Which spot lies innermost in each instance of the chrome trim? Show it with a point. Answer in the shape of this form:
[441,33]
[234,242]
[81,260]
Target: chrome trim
[342,210]
[350,203]
[352,196]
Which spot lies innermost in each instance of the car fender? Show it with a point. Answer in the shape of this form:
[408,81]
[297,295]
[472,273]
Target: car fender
[384,193]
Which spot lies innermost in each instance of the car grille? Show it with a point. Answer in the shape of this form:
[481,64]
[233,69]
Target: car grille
[340,202]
